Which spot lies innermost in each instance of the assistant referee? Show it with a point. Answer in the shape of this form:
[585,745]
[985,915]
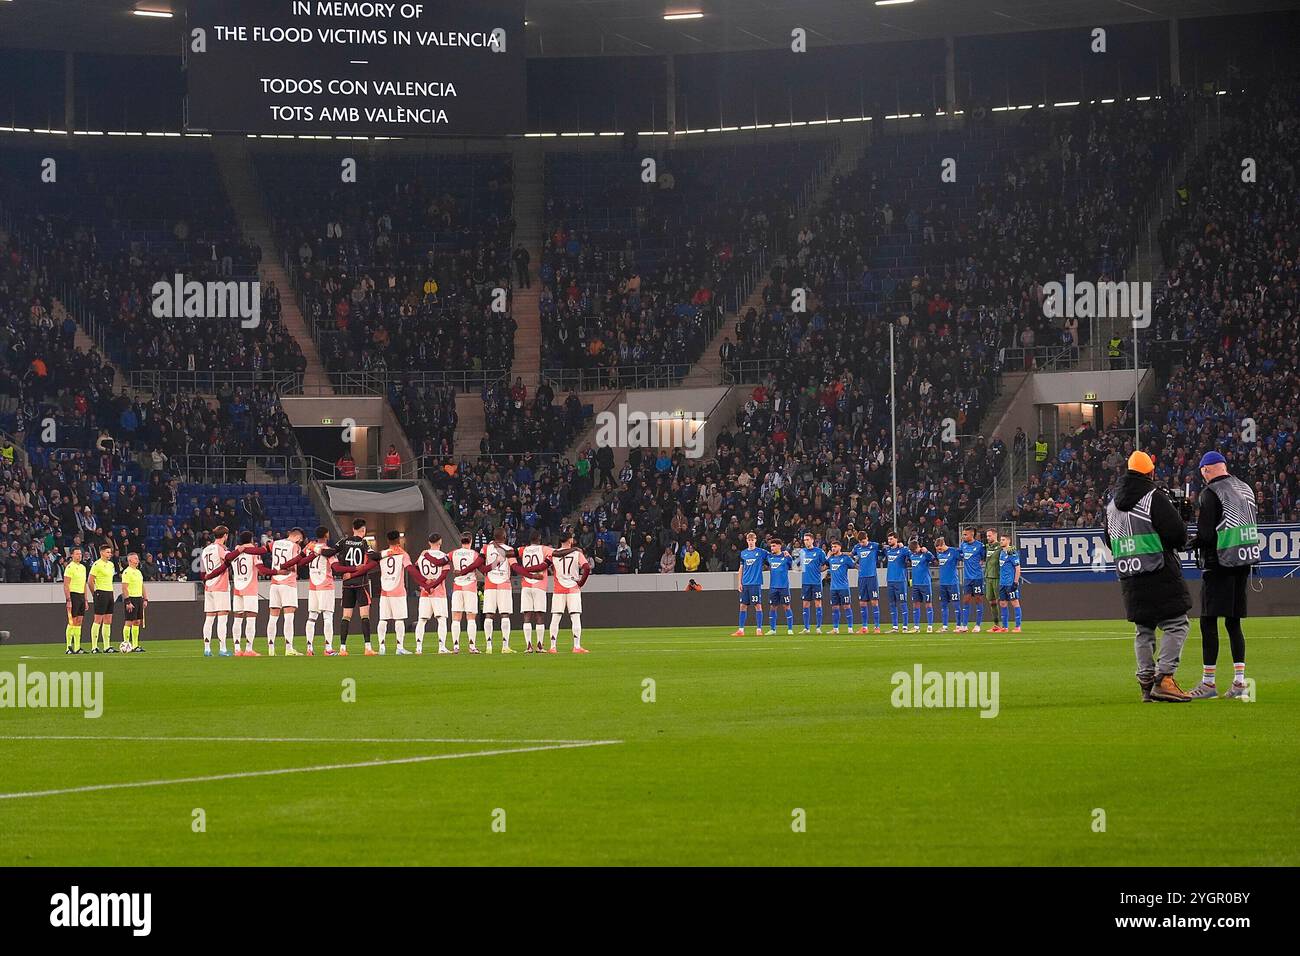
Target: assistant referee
[1227,539]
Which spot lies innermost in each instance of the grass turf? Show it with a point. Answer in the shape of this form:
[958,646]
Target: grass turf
[742,732]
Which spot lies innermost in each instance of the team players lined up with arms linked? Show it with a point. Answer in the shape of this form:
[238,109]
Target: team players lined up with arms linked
[964,574]
[230,590]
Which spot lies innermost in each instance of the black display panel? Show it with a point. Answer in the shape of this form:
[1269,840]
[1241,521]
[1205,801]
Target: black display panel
[356,68]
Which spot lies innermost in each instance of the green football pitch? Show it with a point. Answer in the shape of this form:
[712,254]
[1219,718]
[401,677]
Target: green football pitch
[662,746]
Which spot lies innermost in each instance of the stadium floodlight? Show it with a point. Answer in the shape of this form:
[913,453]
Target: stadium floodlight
[163,14]
[694,15]
[890,3]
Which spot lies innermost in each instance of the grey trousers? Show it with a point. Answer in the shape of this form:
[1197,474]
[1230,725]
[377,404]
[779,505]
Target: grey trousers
[1171,647]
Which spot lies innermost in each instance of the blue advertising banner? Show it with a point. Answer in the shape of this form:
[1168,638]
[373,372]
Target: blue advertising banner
[1083,554]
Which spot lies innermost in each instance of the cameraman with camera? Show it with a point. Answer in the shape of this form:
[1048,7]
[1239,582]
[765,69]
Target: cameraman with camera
[1146,533]
[1227,543]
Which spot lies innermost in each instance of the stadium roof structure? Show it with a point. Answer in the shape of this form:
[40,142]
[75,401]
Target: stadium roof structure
[567,28]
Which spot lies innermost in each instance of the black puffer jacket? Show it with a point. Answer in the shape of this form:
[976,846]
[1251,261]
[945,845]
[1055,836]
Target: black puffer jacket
[1155,597]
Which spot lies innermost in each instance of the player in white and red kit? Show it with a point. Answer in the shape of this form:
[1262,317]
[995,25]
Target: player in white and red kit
[284,590]
[465,561]
[320,588]
[394,566]
[498,597]
[216,590]
[571,572]
[244,569]
[532,592]
[433,562]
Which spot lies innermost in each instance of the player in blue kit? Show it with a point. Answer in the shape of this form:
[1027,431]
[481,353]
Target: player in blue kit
[867,553]
[972,572]
[778,594]
[949,560]
[922,595]
[897,561]
[813,559]
[1009,581]
[840,563]
[749,582]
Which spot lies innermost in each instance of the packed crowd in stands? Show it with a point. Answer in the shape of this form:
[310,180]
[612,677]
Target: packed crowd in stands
[638,273]
[810,449]
[1230,298]
[428,415]
[115,223]
[398,270]
[75,469]
[516,423]
[401,279]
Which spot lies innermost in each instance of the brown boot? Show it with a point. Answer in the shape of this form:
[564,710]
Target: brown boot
[1146,686]
[1166,689]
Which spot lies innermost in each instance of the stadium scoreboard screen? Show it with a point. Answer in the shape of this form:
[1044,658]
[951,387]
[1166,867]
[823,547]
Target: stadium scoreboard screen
[355,68]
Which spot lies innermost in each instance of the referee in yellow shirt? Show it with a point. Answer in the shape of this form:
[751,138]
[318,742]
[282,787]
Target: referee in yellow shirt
[135,600]
[74,599]
[101,582]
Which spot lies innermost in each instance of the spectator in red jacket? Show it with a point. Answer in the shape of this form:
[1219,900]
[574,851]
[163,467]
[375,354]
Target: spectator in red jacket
[392,462]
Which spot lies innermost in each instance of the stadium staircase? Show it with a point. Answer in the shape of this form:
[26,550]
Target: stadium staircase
[707,371]
[240,181]
[1145,263]
[471,425]
[529,209]
[83,341]
[599,401]
[1015,469]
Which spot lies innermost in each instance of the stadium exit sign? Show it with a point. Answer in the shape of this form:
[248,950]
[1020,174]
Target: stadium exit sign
[327,421]
[1089,396]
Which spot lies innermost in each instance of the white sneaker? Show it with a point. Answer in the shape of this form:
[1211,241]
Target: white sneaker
[819,628]
[944,628]
[976,628]
[806,631]
[443,650]
[834,630]
[403,652]
[382,650]
[929,628]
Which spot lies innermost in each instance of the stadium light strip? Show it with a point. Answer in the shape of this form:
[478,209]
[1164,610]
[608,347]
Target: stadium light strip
[572,135]
[160,14]
[684,16]
[890,3]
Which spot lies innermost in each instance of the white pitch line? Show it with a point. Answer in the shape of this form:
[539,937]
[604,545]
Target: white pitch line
[243,774]
[299,740]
